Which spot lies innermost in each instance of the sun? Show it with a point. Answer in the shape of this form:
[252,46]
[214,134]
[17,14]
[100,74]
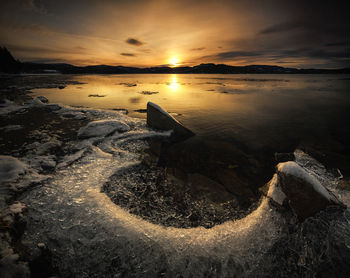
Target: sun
[174,62]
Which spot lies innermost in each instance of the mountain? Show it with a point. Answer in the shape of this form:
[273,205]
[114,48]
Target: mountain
[9,65]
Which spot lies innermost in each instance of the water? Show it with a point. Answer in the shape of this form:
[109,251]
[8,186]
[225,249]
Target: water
[260,111]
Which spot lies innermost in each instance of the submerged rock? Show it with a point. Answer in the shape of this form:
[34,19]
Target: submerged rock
[158,118]
[306,195]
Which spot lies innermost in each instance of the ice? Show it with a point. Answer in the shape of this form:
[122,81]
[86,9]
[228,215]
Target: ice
[11,128]
[97,236]
[275,191]
[9,265]
[47,146]
[102,128]
[9,107]
[10,168]
[90,236]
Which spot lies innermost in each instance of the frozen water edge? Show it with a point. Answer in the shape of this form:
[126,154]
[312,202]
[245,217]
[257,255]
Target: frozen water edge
[89,234]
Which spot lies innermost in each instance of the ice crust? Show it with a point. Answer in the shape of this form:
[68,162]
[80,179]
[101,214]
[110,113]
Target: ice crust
[275,191]
[102,128]
[10,168]
[92,237]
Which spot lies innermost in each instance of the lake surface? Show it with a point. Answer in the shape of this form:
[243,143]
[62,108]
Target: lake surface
[277,112]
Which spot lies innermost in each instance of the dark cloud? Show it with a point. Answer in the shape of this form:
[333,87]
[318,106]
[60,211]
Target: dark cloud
[128,54]
[283,27]
[237,54]
[198,49]
[37,50]
[133,41]
[339,43]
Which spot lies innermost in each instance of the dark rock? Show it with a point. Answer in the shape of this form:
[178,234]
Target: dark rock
[96,95]
[160,119]
[306,195]
[61,87]
[148,93]
[141,110]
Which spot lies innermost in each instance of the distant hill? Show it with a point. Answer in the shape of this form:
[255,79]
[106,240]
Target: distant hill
[9,65]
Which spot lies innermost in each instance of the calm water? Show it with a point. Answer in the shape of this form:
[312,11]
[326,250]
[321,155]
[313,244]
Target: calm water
[259,111]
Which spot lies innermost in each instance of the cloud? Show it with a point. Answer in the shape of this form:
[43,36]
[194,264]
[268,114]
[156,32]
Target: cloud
[198,49]
[128,54]
[283,27]
[35,6]
[237,54]
[339,43]
[33,49]
[133,41]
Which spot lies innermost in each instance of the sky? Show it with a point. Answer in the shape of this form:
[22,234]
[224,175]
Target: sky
[143,33]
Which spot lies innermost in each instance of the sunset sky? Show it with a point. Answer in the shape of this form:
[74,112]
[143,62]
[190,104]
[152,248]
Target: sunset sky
[160,32]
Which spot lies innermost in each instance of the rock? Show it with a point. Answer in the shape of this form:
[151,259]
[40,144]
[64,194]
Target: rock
[96,95]
[61,87]
[53,107]
[306,195]
[41,245]
[160,119]
[43,99]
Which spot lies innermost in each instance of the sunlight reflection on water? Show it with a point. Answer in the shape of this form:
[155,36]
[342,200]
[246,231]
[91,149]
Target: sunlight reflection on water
[260,110]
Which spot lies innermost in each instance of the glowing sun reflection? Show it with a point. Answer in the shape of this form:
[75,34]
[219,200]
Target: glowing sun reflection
[173,84]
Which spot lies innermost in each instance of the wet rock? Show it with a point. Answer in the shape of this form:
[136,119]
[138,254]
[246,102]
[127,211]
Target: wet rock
[43,99]
[306,195]
[160,119]
[141,110]
[53,107]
